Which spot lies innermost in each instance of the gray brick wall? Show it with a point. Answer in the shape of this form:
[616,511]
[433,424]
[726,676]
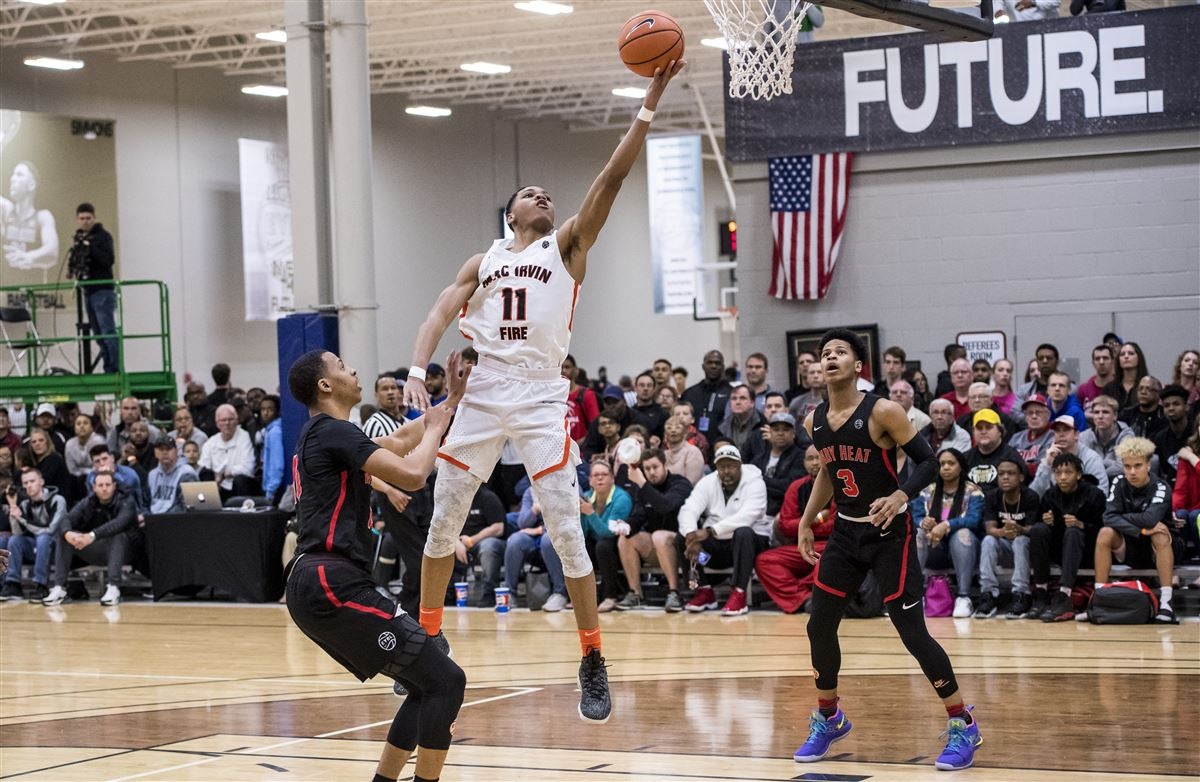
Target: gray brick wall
[1006,239]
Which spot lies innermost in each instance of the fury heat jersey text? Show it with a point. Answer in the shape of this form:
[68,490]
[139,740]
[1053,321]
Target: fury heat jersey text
[860,470]
[522,311]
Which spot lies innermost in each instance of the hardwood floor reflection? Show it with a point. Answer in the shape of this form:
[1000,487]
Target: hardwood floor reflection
[84,695]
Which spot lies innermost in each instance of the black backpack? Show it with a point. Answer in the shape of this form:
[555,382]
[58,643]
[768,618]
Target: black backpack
[1122,603]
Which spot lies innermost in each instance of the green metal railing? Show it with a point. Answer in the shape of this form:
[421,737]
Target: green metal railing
[35,380]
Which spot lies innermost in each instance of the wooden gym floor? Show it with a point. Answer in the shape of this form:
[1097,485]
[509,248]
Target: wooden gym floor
[192,691]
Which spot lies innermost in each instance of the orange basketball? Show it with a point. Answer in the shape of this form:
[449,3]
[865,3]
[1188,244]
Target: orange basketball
[650,40]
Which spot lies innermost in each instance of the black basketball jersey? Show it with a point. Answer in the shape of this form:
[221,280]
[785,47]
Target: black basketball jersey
[861,471]
[333,494]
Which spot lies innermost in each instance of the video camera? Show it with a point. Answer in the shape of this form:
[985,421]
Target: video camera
[79,257]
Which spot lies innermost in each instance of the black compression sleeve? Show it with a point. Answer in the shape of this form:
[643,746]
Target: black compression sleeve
[924,466]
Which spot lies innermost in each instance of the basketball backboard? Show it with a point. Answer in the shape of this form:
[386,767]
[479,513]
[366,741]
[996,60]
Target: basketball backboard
[953,24]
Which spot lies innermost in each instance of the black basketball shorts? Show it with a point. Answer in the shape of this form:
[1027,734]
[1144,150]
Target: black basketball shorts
[334,602]
[856,548]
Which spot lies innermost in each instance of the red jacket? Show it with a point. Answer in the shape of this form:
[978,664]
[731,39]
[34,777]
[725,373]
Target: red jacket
[960,408]
[792,510]
[1187,488]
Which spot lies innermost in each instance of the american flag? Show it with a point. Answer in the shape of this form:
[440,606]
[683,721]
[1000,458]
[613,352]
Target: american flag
[808,213]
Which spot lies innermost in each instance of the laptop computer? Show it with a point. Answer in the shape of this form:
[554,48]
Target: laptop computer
[201,495]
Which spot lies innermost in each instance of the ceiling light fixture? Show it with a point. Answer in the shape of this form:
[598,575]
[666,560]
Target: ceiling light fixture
[265,90]
[716,43]
[629,92]
[44,2]
[485,67]
[54,63]
[427,111]
[275,36]
[544,7]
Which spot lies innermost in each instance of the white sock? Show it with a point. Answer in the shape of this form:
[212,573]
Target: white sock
[1065,590]
[1165,599]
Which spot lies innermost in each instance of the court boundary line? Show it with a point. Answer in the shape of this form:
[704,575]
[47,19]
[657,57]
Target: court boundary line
[212,756]
[254,752]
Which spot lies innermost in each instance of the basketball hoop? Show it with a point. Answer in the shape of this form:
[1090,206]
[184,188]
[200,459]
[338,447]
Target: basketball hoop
[760,36]
[729,318]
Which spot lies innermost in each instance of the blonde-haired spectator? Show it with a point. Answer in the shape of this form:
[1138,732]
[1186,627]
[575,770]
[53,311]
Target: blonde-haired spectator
[1106,434]
[1137,518]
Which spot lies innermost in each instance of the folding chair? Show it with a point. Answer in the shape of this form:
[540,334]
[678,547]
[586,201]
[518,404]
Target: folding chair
[19,347]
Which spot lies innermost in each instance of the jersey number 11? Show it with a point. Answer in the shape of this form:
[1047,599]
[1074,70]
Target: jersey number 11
[509,294]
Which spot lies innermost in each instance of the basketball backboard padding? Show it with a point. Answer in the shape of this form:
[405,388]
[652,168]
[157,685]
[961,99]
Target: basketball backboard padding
[950,24]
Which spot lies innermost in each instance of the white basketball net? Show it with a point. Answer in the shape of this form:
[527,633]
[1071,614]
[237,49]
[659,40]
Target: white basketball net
[761,40]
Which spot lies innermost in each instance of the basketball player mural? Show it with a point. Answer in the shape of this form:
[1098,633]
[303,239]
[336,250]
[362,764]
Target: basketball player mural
[516,302]
[330,594]
[857,435]
[29,234]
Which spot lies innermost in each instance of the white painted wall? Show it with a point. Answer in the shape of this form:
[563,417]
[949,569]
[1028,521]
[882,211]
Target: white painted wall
[438,185]
[1105,231]
[1047,241]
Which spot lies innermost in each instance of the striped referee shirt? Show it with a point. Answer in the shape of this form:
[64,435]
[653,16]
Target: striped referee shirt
[380,424]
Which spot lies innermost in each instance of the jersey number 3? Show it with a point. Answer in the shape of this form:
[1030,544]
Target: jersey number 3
[511,296]
[849,487]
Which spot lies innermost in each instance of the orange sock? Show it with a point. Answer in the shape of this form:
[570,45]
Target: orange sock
[589,640]
[431,620]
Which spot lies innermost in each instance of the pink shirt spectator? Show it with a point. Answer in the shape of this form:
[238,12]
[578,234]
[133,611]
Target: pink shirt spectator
[1006,403]
[1088,391]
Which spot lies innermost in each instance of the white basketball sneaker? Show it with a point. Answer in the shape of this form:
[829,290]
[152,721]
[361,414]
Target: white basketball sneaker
[112,595]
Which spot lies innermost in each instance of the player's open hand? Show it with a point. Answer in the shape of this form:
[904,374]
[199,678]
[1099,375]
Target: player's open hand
[804,544]
[884,509]
[457,372]
[416,396]
[659,81]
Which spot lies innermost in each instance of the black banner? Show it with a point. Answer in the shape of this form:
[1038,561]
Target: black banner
[1058,78]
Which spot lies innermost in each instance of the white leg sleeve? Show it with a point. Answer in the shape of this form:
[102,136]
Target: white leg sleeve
[558,496]
[452,495]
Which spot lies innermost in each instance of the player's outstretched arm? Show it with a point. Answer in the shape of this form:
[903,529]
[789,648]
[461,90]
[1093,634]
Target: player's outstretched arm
[579,233]
[404,439]
[410,471]
[892,420]
[449,304]
[408,437]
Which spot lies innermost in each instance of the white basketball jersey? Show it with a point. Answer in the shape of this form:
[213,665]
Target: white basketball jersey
[522,311]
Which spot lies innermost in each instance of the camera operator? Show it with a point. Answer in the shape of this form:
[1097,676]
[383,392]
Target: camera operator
[92,258]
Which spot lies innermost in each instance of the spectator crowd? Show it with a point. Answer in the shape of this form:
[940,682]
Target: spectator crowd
[687,486]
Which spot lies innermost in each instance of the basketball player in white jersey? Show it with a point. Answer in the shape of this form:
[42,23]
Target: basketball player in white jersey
[517,302]
[29,234]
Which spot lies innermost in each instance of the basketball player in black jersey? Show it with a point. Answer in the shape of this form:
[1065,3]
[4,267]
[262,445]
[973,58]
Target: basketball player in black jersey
[857,435]
[330,594]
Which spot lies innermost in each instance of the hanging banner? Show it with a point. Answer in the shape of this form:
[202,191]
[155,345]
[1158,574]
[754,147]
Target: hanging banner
[267,264]
[1057,78]
[676,181]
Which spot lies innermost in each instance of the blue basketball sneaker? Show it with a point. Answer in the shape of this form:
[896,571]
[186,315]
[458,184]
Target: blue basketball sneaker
[822,733]
[961,741]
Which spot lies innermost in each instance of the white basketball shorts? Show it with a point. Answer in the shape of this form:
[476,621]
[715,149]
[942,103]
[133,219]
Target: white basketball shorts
[503,402]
